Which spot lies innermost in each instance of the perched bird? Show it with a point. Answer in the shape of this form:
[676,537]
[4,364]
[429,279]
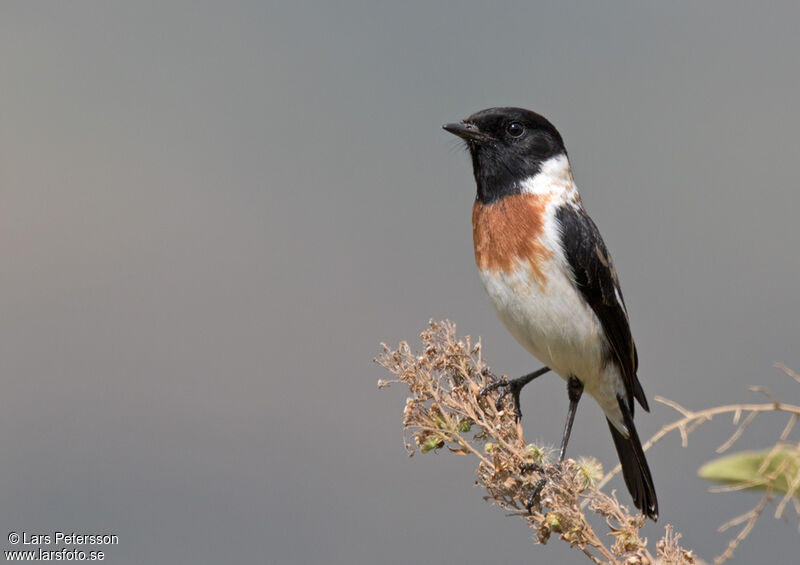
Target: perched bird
[551,278]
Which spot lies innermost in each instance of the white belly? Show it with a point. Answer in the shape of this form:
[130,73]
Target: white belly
[552,321]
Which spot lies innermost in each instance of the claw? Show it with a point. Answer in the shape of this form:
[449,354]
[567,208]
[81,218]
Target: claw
[539,486]
[546,472]
[529,467]
[492,386]
[508,387]
[537,491]
[512,387]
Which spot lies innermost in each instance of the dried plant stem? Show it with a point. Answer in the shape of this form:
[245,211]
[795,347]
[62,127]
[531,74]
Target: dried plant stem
[749,518]
[692,419]
[446,409]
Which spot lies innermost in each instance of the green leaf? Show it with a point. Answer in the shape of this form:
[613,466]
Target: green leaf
[465,425]
[743,467]
[433,442]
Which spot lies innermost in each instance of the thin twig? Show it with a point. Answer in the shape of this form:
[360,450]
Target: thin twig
[751,517]
[738,433]
[788,429]
[700,416]
[788,371]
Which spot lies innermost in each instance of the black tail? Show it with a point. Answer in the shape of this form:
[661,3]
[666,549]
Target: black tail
[634,467]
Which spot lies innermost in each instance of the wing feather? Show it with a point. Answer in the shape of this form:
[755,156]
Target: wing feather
[596,279]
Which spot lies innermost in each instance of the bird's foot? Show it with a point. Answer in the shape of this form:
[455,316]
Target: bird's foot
[529,467]
[546,473]
[512,387]
[506,388]
[535,494]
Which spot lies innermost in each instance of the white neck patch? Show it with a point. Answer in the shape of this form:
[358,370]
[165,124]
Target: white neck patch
[555,178]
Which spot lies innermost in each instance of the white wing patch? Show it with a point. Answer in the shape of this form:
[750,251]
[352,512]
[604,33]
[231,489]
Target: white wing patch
[619,299]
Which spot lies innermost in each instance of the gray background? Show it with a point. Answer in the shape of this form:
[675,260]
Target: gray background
[212,213]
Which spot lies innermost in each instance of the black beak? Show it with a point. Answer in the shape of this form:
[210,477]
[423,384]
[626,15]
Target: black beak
[467,132]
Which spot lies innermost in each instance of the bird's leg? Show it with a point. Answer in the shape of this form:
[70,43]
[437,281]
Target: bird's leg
[574,391]
[512,387]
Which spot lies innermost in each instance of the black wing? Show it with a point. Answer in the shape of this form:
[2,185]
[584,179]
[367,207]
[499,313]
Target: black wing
[597,281]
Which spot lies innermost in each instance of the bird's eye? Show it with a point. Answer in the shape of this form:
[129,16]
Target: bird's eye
[515,129]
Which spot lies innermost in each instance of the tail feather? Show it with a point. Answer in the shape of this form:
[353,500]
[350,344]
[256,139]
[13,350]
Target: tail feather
[634,467]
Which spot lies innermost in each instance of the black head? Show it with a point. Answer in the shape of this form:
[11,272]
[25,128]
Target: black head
[507,146]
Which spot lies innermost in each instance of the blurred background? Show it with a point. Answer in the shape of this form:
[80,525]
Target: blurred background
[211,214]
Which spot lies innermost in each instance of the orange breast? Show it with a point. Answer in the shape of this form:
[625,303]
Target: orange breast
[507,234]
